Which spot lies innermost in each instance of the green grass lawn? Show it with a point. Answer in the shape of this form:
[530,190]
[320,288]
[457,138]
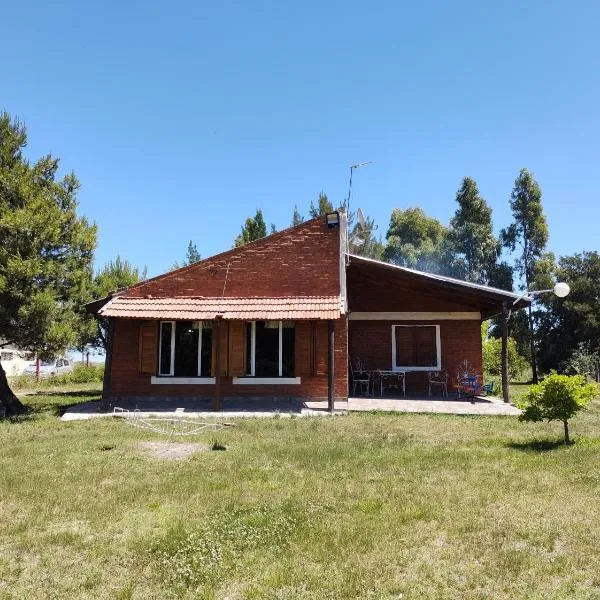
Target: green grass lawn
[360,506]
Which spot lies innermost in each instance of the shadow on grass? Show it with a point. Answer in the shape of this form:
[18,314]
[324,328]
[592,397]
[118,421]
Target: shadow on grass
[538,445]
[42,402]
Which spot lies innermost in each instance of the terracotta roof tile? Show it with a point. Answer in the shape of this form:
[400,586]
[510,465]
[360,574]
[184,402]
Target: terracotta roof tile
[199,308]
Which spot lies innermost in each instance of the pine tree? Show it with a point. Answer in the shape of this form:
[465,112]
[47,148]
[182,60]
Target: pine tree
[322,208]
[46,253]
[253,229]
[192,256]
[297,218]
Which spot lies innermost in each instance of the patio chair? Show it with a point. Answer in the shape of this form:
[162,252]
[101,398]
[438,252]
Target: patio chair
[439,379]
[391,380]
[360,377]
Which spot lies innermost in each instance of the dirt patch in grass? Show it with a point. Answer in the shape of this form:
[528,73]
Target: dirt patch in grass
[171,450]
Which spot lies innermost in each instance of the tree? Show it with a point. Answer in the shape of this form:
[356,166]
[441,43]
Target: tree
[557,398]
[529,231]
[297,217]
[115,275]
[363,241]
[492,348]
[253,229]
[417,241]
[192,256]
[471,236]
[322,208]
[46,253]
[565,323]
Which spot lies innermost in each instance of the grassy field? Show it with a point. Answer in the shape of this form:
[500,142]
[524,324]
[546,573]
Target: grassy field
[360,506]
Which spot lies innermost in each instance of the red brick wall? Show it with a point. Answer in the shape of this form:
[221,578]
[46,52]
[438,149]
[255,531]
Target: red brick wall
[300,261]
[127,381]
[371,341]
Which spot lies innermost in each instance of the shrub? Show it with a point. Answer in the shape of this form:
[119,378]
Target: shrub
[557,398]
[492,355]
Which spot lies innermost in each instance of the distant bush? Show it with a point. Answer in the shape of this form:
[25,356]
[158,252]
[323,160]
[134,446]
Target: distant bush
[80,374]
[492,353]
[83,374]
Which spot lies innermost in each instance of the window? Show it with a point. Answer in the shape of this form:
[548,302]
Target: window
[185,348]
[416,347]
[270,348]
[6,356]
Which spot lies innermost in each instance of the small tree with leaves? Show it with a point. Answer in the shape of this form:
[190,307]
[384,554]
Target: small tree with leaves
[253,229]
[557,398]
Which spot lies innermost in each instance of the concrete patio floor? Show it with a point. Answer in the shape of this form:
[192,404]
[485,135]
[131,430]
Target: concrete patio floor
[241,408]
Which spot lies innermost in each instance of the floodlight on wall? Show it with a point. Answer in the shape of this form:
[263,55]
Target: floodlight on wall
[333,220]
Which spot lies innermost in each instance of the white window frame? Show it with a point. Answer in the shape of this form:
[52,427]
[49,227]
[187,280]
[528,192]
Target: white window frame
[171,374]
[253,359]
[438,345]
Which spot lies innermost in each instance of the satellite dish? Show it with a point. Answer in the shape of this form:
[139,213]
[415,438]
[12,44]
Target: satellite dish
[360,218]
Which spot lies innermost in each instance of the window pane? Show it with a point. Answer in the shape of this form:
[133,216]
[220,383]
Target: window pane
[289,345]
[425,346]
[267,349]
[405,348]
[206,349]
[186,349]
[416,346]
[165,348]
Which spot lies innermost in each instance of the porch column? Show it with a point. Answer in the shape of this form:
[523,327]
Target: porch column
[216,403]
[110,336]
[504,352]
[330,365]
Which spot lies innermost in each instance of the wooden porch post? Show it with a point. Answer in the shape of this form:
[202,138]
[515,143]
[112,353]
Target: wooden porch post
[330,366]
[216,403]
[110,335]
[504,352]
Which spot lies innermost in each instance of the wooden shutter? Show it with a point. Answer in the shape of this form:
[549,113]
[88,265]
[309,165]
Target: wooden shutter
[425,346]
[304,348]
[148,338]
[237,348]
[405,347]
[224,328]
[320,346]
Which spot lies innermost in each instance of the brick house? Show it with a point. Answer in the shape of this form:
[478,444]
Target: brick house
[281,318]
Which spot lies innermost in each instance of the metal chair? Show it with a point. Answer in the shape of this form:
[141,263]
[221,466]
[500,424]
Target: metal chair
[390,380]
[440,379]
[360,377]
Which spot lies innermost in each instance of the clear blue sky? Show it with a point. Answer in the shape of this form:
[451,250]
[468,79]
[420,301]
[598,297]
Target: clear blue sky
[181,118]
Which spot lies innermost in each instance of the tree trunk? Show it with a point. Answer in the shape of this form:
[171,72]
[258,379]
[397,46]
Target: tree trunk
[504,353]
[534,373]
[110,335]
[9,403]
[566,425]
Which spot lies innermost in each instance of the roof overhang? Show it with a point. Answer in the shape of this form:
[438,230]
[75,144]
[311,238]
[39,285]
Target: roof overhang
[209,308]
[491,299]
